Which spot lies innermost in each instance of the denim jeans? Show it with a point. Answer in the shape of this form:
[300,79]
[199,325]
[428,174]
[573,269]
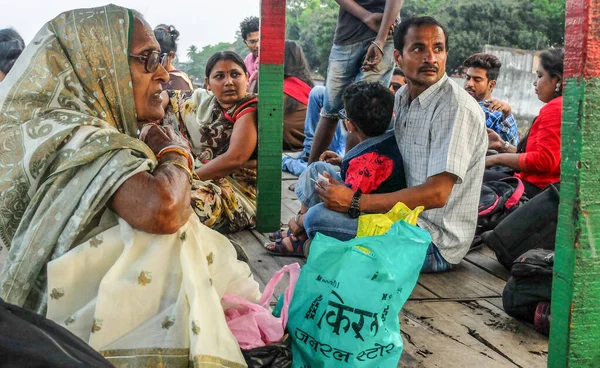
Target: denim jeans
[345,64]
[315,103]
[305,187]
[338,224]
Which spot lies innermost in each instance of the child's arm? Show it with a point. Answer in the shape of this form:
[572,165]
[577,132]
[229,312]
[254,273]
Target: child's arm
[331,158]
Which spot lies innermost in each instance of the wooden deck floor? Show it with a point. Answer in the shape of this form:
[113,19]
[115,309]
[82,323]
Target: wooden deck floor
[453,319]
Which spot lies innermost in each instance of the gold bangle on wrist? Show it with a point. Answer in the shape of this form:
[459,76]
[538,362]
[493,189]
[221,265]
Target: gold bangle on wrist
[179,164]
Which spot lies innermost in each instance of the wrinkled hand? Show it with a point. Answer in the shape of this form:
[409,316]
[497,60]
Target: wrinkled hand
[336,196]
[331,158]
[158,137]
[373,21]
[372,58]
[497,105]
[495,141]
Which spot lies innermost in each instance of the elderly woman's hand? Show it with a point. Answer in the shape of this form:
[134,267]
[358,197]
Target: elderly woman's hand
[158,137]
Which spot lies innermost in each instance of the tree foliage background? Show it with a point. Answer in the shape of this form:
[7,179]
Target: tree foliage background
[471,24]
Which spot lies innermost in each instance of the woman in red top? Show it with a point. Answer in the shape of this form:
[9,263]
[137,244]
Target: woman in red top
[537,157]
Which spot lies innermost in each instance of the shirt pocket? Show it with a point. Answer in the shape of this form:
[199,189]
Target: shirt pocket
[420,137]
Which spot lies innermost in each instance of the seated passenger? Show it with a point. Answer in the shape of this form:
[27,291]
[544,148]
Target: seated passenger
[250,32]
[100,232]
[537,157]
[440,134]
[11,46]
[480,81]
[297,84]
[167,39]
[297,165]
[374,165]
[398,80]
[221,125]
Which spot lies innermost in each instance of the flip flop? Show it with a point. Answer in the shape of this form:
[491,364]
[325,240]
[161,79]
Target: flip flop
[278,235]
[282,247]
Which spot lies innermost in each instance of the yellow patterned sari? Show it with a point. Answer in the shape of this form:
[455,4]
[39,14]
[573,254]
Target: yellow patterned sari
[68,140]
[228,204]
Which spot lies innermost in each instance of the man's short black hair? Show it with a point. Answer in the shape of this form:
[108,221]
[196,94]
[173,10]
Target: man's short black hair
[369,105]
[248,25]
[402,29]
[398,71]
[489,62]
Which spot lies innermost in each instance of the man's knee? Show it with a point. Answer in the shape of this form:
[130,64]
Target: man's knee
[318,167]
[317,94]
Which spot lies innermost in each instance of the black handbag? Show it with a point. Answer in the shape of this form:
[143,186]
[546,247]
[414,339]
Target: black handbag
[531,226]
[30,340]
[530,282]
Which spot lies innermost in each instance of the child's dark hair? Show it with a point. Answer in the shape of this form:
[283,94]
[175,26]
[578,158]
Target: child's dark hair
[369,105]
[224,55]
[248,25]
[167,38]
[11,46]
[490,63]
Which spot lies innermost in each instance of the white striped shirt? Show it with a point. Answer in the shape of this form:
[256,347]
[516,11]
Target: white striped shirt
[443,130]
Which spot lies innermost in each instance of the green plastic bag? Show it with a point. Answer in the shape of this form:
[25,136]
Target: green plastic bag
[345,308]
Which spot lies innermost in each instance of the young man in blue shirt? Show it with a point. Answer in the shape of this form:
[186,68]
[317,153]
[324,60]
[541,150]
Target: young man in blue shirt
[480,81]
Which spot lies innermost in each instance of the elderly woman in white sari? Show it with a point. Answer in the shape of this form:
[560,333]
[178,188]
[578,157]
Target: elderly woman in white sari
[99,233]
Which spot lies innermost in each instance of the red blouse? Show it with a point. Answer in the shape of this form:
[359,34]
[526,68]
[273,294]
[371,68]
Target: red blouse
[540,164]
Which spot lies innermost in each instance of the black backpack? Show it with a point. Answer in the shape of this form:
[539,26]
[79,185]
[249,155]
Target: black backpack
[532,225]
[530,282]
[30,340]
[498,199]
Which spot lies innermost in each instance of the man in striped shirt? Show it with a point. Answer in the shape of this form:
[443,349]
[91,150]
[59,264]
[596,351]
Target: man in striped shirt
[440,131]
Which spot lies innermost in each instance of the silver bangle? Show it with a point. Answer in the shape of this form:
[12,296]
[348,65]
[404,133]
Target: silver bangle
[379,47]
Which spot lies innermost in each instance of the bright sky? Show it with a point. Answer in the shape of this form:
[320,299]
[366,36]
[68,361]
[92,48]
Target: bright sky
[200,22]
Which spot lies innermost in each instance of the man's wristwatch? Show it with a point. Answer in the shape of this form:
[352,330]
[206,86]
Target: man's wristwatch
[506,145]
[354,210]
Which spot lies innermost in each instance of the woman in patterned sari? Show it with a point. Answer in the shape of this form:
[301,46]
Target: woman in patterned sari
[220,124]
[99,231]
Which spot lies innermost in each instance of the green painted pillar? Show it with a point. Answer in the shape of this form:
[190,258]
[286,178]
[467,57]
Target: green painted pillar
[270,114]
[575,326]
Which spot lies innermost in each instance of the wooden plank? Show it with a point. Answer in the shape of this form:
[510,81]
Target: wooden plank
[497,302]
[420,292]
[429,346]
[464,281]
[485,258]
[288,176]
[286,193]
[468,334]
[262,264]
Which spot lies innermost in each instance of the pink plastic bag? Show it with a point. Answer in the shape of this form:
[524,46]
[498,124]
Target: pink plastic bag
[252,324]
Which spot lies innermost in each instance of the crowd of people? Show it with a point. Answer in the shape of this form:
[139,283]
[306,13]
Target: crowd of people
[116,168]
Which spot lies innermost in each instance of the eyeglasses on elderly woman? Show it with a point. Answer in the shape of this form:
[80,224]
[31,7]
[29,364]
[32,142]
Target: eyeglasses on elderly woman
[152,60]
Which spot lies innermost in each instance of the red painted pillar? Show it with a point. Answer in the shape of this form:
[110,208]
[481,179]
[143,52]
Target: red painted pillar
[270,114]
[575,325]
